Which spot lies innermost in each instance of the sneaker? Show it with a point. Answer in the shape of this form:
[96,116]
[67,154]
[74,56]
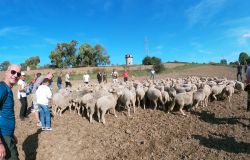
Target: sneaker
[48,129]
[39,124]
[43,129]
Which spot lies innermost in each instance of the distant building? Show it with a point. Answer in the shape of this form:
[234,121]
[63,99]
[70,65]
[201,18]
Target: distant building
[129,59]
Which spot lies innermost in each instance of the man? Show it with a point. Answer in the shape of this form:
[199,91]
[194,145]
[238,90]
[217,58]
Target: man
[125,75]
[38,82]
[247,84]
[239,71]
[86,78]
[114,76]
[22,96]
[99,77]
[8,149]
[67,80]
[152,74]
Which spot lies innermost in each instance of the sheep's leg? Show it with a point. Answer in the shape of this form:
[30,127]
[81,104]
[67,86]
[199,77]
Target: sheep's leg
[138,101]
[143,100]
[134,105]
[155,105]
[171,106]
[214,97]
[114,112]
[182,112]
[91,116]
[128,110]
[98,114]
[79,108]
[102,116]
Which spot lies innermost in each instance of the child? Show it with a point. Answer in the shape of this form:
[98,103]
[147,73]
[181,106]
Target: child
[43,94]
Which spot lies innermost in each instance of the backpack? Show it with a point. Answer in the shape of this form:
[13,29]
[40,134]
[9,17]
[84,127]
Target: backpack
[2,85]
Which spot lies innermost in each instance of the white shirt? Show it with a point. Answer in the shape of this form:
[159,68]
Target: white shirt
[67,77]
[43,94]
[85,78]
[22,84]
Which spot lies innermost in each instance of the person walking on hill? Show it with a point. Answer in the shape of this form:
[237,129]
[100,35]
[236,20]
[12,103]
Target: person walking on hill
[86,78]
[239,72]
[99,77]
[114,75]
[104,77]
[67,80]
[125,75]
[247,85]
[38,82]
[43,95]
[152,74]
[22,95]
[59,81]
[8,140]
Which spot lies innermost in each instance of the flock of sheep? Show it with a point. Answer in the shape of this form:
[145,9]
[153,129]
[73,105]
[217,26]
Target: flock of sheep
[164,94]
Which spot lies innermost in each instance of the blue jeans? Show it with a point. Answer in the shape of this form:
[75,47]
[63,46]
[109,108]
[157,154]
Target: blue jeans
[44,115]
[59,86]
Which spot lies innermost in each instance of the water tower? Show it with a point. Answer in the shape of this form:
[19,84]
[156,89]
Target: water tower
[129,59]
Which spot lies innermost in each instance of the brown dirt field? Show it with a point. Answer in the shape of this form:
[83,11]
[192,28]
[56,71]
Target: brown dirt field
[219,131]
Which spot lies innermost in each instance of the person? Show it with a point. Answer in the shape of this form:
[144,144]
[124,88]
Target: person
[59,81]
[125,75]
[85,78]
[43,95]
[22,96]
[239,71]
[104,77]
[38,82]
[114,75]
[67,80]
[247,81]
[31,85]
[99,77]
[8,140]
[152,74]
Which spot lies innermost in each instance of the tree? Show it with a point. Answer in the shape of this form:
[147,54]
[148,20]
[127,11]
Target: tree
[4,65]
[101,57]
[243,57]
[91,56]
[223,61]
[151,60]
[32,62]
[147,61]
[64,54]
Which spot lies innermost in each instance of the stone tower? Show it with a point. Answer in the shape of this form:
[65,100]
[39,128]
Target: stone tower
[129,59]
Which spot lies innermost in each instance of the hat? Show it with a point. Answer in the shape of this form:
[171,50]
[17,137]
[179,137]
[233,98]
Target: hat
[22,73]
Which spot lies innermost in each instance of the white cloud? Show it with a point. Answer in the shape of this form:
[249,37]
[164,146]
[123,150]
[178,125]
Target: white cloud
[246,35]
[18,30]
[51,40]
[204,11]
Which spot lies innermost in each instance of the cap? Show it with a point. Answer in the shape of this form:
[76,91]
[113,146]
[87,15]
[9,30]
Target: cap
[22,73]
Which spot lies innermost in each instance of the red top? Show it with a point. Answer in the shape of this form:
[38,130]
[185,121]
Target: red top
[125,74]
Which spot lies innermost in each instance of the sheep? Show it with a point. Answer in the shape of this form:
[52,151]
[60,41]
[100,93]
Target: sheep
[199,97]
[140,93]
[239,86]
[228,91]
[106,103]
[127,99]
[182,99]
[154,94]
[217,90]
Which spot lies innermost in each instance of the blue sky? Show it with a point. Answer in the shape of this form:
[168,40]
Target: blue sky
[182,30]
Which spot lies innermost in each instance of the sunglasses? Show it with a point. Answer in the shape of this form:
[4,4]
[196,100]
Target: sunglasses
[13,72]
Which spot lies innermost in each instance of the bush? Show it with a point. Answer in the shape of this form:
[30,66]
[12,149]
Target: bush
[159,67]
